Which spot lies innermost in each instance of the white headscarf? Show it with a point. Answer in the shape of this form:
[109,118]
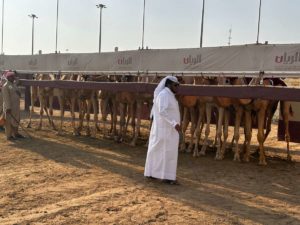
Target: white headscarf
[2,80]
[162,84]
[160,87]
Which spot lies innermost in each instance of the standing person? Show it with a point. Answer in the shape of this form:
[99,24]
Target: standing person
[2,81]
[162,155]
[11,106]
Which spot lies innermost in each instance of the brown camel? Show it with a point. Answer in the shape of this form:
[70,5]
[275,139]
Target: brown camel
[44,94]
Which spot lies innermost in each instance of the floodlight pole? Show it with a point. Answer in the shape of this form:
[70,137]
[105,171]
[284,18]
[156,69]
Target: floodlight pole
[143,32]
[2,27]
[258,26]
[33,16]
[100,6]
[56,34]
[202,22]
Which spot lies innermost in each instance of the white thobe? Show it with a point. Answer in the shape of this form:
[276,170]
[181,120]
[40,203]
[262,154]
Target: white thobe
[1,97]
[1,103]
[162,152]
[11,100]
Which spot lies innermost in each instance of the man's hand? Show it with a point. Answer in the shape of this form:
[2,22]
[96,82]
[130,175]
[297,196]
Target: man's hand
[178,128]
[8,111]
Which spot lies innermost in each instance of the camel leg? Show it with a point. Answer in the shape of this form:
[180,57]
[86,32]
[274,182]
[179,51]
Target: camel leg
[197,133]
[207,128]
[62,112]
[51,111]
[138,114]
[269,116]
[30,116]
[103,108]
[42,105]
[193,127]
[122,121]
[73,102]
[95,110]
[219,132]
[286,112]
[132,115]
[236,136]
[248,135]
[225,133]
[114,119]
[32,100]
[260,136]
[88,118]
[150,125]
[81,116]
[128,116]
[185,122]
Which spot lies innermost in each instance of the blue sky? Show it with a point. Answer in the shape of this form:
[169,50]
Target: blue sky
[168,24]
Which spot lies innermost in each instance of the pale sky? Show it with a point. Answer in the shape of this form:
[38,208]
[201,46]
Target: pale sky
[168,24]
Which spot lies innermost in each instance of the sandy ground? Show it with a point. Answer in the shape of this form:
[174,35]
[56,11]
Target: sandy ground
[52,179]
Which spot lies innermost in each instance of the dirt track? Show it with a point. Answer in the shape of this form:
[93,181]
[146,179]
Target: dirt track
[78,180]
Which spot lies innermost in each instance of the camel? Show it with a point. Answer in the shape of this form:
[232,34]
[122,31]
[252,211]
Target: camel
[125,104]
[259,107]
[223,105]
[130,104]
[205,105]
[70,96]
[188,106]
[107,105]
[141,99]
[264,110]
[285,111]
[86,100]
[43,94]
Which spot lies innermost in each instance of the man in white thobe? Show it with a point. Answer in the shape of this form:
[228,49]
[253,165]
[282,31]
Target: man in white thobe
[2,81]
[162,155]
[11,106]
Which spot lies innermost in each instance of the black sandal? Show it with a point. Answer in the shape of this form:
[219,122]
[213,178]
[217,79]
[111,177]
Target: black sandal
[172,182]
[151,178]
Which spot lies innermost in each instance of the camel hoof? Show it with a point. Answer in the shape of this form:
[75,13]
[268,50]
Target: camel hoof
[236,158]
[202,153]
[289,158]
[189,150]
[218,157]
[76,134]
[182,147]
[246,159]
[118,139]
[59,133]
[182,150]
[53,126]
[29,126]
[196,154]
[262,163]
[132,144]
